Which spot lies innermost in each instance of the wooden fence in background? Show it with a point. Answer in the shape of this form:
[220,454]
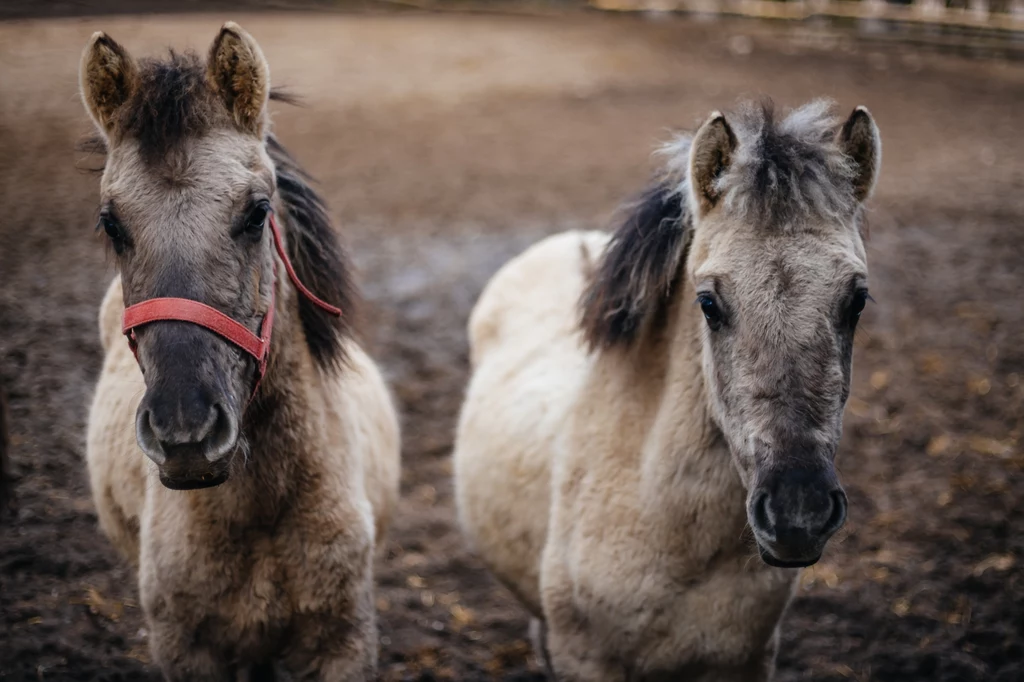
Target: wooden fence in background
[987,15]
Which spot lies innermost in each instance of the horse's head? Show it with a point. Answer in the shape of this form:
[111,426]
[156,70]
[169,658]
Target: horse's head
[778,265]
[186,194]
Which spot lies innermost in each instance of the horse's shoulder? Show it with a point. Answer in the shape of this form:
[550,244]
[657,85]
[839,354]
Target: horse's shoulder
[111,310]
[359,375]
[536,292]
[369,422]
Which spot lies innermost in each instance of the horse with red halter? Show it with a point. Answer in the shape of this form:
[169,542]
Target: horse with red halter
[243,449]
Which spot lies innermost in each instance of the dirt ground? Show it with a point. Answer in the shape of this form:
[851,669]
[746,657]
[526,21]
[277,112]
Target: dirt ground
[447,143]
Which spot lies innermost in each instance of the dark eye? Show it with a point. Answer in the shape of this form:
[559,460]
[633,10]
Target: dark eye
[115,233]
[256,220]
[712,313]
[857,303]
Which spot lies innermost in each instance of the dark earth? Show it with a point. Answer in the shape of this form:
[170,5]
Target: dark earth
[445,144]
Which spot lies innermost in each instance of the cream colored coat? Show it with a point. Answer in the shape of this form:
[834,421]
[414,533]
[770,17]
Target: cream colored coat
[593,488]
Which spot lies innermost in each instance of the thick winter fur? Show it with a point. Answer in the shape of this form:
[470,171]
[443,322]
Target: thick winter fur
[272,569]
[608,472]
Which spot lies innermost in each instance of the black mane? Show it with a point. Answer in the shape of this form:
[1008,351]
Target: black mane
[172,102]
[319,259]
[635,277]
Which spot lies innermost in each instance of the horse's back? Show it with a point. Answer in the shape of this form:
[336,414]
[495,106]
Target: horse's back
[528,365]
[373,431]
[117,473]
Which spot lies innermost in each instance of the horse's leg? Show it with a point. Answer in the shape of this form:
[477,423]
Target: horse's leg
[539,640]
[355,665]
[771,655]
[182,640]
[333,648]
[180,659]
[572,656]
[757,670]
[575,653]
[342,669]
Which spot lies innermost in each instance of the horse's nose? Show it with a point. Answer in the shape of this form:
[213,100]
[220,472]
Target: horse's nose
[171,427]
[793,513]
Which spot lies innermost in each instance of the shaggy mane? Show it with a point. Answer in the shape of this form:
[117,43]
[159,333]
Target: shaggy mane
[635,276]
[786,171]
[782,173]
[172,102]
[320,261]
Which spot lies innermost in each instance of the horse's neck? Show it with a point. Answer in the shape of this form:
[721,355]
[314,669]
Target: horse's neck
[282,428]
[685,468]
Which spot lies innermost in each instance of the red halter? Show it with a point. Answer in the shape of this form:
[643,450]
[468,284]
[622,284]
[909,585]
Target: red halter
[186,310]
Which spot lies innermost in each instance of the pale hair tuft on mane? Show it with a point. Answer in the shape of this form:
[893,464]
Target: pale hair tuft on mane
[789,169]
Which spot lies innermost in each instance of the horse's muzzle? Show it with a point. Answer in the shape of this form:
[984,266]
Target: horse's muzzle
[210,480]
[189,434]
[193,472]
[793,513]
[776,562]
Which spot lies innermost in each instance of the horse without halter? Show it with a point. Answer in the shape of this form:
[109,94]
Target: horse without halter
[618,473]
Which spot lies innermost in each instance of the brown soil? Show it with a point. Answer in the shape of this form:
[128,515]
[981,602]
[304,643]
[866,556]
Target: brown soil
[446,144]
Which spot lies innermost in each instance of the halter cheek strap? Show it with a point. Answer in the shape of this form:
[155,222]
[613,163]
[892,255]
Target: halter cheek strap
[187,310]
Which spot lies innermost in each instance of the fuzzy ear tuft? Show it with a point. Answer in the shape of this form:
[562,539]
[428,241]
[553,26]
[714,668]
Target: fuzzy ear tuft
[108,77]
[710,154]
[860,140]
[240,75]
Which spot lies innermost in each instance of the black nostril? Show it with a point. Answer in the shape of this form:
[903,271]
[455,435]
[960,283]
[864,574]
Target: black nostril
[838,516]
[146,435]
[170,426]
[222,436]
[762,519]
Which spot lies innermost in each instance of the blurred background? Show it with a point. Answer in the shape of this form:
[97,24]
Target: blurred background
[446,137]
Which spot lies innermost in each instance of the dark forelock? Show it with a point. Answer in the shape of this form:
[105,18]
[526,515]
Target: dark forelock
[171,103]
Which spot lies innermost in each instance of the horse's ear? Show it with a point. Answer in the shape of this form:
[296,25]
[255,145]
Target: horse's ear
[240,75]
[108,77]
[860,140]
[710,154]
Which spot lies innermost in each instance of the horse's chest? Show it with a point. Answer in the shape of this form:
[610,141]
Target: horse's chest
[262,587]
[251,581]
[651,606]
[245,593]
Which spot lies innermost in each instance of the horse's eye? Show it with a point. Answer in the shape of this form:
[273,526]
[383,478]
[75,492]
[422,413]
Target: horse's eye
[114,232]
[712,313]
[860,299]
[257,219]
[857,303]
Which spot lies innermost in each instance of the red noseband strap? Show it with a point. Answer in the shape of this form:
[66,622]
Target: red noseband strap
[187,310]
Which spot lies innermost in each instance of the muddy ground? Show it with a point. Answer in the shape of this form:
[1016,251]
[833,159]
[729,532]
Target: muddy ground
[447,143]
